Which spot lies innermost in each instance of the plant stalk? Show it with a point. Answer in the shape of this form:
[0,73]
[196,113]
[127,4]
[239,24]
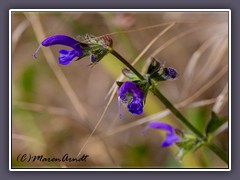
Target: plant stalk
[170,106]
[218,152]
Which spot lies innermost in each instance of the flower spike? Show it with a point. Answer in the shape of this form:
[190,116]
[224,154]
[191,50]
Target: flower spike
[95,47]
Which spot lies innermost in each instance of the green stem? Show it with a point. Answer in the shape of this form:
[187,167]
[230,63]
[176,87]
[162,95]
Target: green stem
[160,96]
[170,106]
[113,52]
[218,152]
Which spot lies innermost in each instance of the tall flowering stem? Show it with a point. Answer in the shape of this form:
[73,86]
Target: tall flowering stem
[115,53]
[170,106]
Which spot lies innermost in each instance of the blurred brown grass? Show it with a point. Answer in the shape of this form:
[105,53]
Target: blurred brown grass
[54,107]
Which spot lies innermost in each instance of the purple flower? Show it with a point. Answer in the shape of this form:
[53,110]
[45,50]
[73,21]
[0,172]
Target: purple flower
[65,55]
[131,95]
[171,136]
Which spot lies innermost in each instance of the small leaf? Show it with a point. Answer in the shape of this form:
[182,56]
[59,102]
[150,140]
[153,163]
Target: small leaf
[129,74]
[186,147]
[119,83]
[144,86]
[214,123]
[157,77]
[179,132]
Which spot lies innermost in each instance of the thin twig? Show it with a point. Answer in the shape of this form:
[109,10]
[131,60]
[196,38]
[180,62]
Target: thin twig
[42,108]
[96,126]
[212,61]
[156,116]
[17,33]
[207,85]
[172,40]
[192,63]
[162,24]
[120,78]
[221,99]
[152,42]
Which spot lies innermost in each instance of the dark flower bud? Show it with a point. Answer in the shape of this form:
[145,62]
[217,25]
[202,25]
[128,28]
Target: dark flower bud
[169,73]
[158,72]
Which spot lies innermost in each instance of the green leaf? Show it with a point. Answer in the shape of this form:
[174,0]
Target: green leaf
[97,55]
[187,146]
[157,77]
[129,74]
[96,47]
[200,116]
[214,123]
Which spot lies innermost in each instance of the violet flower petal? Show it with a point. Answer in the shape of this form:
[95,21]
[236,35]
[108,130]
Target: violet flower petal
[61,40]
[169,139]
[135,107]
[131,95]
[129,87]
[66,56]
[162,126]
[171,136]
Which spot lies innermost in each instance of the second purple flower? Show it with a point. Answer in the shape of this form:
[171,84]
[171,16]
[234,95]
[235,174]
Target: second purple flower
[132,96]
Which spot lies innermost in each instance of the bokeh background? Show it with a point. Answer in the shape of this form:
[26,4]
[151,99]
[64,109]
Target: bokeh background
[55,107]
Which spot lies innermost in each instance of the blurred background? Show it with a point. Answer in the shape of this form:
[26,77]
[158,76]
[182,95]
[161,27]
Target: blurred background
[55,108]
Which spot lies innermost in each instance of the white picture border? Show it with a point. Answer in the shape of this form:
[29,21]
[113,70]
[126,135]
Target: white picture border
[115,10]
